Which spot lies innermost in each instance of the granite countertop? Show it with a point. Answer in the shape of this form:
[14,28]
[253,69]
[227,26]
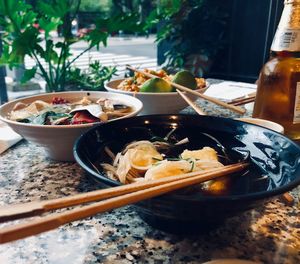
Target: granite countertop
[268,234]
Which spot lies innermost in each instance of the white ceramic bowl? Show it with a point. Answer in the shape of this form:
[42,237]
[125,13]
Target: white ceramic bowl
[154,103]
[264,123]
[58,140]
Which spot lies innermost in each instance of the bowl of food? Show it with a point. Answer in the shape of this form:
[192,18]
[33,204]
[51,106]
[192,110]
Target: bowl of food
[157,95]
[151,147]
[55,120]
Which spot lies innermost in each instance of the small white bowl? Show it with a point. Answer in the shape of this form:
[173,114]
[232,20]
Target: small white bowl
[58,140]
[154,103]
[262,122]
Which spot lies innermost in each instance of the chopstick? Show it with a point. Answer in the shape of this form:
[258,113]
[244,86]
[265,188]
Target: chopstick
[243,100]
[185,89]
[137,192]
[17,211]
[190,103]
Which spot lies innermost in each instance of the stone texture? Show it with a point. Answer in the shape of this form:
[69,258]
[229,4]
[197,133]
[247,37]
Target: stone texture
[268,234]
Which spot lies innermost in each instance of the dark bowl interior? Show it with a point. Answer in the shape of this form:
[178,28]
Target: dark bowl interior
[274,165]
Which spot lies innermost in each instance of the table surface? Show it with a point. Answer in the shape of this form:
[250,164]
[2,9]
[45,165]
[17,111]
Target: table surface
[268,234]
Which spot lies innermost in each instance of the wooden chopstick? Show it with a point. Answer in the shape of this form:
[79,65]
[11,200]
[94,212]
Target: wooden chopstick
[17,211]
[185,89]
[190,103]
[243,100]
[250,100]
[34,227]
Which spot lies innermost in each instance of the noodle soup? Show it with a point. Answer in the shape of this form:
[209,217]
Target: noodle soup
[268,153]
[157,157]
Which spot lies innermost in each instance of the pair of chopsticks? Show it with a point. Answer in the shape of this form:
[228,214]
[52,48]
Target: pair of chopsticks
[191,103]
[249,98]
[114,198]
[197,93]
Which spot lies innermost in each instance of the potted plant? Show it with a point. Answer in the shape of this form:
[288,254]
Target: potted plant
[27,33]
[92,78]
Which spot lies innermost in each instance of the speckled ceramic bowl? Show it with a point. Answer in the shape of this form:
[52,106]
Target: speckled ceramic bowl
[154,103]
[58,141]
[274,165]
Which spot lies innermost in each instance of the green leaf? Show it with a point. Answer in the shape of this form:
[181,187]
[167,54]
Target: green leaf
[56,8]
[27,19]
[91,79]
[59,45]
[40,51]
[152,20]
[17,15]
[4,59]
[28,74]
[49,24]
[8,7]
[96,37]
[23,44]
[129,22]
[40,119]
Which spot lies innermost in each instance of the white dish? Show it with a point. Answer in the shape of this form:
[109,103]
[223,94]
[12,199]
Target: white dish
[58,140]
[154,103]
[262,122]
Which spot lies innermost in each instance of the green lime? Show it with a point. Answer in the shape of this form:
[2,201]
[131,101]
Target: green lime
[185,78]
[156,85]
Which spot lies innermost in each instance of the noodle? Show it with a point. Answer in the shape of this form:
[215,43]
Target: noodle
[141,160]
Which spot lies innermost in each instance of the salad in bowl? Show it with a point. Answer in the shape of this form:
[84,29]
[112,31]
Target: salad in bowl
[55,120]
[157,94]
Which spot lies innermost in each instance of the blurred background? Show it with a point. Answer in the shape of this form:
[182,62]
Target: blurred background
[224,39]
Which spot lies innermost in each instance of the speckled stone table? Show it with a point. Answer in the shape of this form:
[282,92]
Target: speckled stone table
[269,234]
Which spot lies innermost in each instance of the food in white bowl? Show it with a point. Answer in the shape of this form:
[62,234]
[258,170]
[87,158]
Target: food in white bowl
[139,82]
[157,95]
[56,120]
[61,111]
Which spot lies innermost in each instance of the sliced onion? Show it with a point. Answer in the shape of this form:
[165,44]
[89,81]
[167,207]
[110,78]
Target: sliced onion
[94,109]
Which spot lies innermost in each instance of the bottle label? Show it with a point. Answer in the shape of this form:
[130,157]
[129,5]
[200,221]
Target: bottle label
[286,39]
[297,105]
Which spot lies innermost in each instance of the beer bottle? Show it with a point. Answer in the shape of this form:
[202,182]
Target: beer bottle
[278,87]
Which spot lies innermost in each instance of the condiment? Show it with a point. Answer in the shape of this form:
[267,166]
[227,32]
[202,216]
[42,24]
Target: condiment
[278,92]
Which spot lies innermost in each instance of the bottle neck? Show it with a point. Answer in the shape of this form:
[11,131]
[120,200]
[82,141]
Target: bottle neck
[287,37]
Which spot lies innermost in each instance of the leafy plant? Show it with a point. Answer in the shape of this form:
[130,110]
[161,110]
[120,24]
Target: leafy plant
[91,79]
[195,31]
[27,33]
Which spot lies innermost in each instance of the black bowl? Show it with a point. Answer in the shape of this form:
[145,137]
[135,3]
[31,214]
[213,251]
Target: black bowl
[274,165]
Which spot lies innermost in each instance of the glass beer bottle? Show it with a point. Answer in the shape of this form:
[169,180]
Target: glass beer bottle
[278,87]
